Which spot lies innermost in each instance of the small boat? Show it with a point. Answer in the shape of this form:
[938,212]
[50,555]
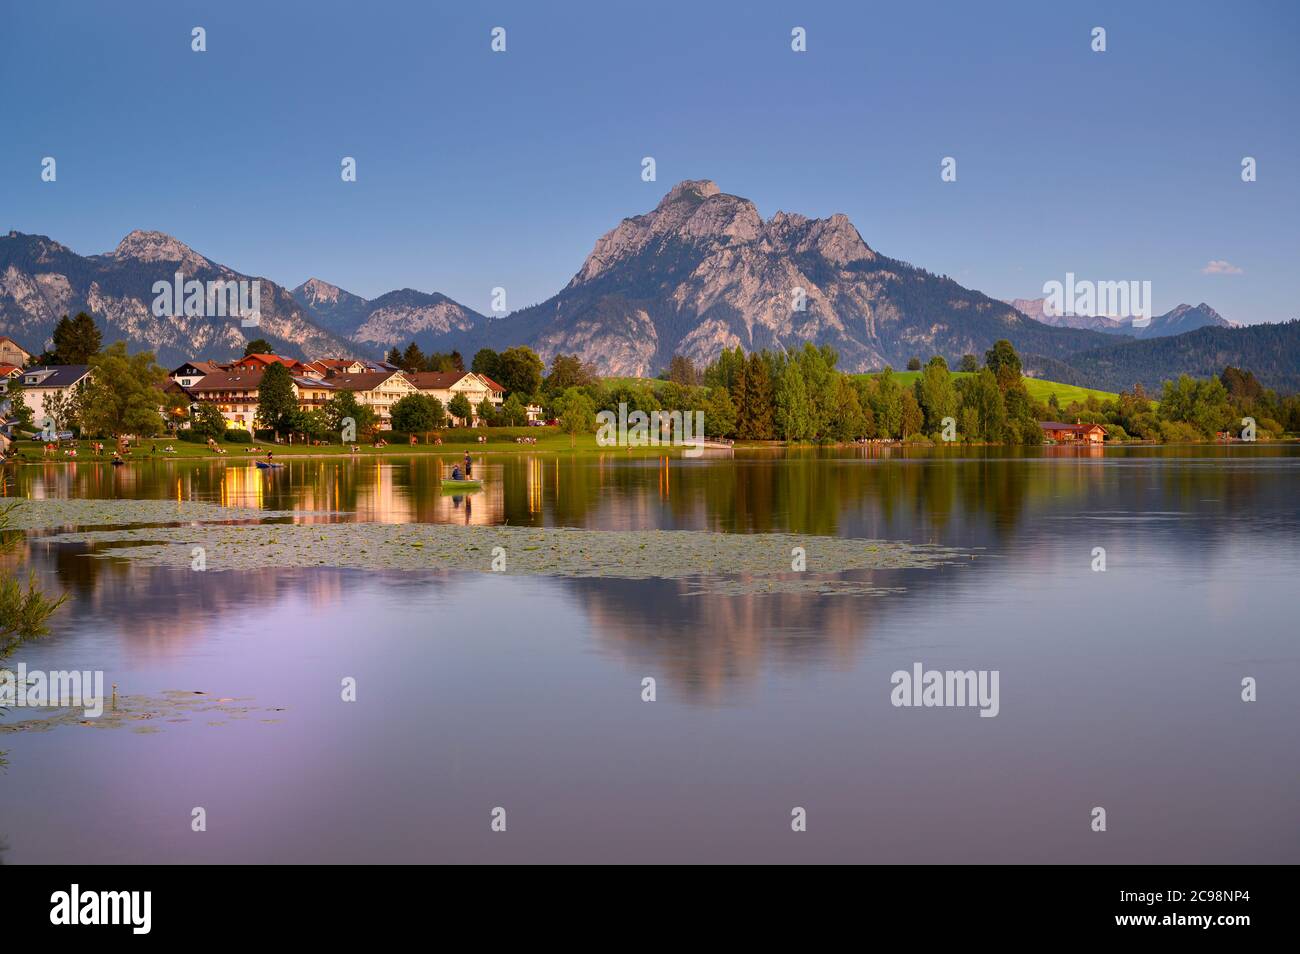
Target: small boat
[450,486]
[267,465]
[119,463]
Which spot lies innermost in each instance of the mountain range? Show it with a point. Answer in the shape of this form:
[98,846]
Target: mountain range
[700,272]
[1174,322]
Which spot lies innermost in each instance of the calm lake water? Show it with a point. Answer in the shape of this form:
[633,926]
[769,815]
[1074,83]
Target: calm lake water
[1118,689]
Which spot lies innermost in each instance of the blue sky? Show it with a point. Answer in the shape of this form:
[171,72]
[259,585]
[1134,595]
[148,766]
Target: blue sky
[478,169]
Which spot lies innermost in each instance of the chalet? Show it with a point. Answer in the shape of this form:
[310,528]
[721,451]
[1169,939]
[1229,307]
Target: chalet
[1076,433]
[191,372]
[235,394]
[377,390]
[42,383]
[445,385]
[11,352]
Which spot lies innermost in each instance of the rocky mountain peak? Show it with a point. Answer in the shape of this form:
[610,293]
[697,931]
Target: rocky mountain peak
[690,189]
[145,246]
[318,292]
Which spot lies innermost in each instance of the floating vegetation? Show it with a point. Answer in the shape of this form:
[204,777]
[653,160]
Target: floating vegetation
[752,562]
[146,714]
[49,513]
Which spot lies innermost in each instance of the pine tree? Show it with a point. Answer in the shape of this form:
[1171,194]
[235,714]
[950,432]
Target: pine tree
[762,425]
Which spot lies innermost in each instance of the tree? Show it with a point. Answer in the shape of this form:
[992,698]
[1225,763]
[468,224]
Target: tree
[910,419]
[206,421]
[914,364]
[487,412]
[16,407]
[513,412]
[276,400]
[76,341]
[345,406]
[258,346]
[754,415]
[1003,361]
[817,365]
[124,394]
[969,364]
[793,416]
[415,414]
[441,362]
[62,409]
[486,361]
[394,357]
[848,423]
[577,414]
[413,359]
[936,395]
[519,371]
[568,371]
[982,396]
[457,362]
[887,404]
[725,369]
[719,413]
[459,408]
[681,370]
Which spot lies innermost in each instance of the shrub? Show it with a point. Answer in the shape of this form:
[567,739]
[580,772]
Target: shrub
[1178,432]
[237,435]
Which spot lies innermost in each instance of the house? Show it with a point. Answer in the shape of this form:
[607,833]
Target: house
[39,384]
[11,352]
[8,371]
[377,390]
[1076,433]
[324,367]
[235,394]
[191,372]
[445,385]
[257,362]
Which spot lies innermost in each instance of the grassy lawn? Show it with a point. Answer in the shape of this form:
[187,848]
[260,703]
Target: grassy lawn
[1038,389]
[455,442]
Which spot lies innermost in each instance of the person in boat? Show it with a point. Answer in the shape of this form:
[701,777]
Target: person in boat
[455,473]
[270,454]
[469,467]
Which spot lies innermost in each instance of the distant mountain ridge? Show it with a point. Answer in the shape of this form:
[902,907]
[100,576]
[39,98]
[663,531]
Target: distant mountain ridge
[392,320]
[1178,320]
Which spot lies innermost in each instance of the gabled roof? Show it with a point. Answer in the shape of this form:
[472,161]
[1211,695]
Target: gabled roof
[9,370]
[58,376]
[435,380]
[202,367]
[251,380]
[268,359]
[229,381]
[4,338]
[490,383]
[366,381]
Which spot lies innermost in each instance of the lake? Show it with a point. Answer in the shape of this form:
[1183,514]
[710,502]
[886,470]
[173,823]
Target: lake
[1119,689]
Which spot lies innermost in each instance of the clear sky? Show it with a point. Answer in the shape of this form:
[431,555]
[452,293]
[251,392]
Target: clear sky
[477,169]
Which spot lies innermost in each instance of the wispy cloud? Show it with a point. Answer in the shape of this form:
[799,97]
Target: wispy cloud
[1219,267]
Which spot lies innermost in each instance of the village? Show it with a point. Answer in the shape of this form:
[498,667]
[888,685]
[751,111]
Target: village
[234,387]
